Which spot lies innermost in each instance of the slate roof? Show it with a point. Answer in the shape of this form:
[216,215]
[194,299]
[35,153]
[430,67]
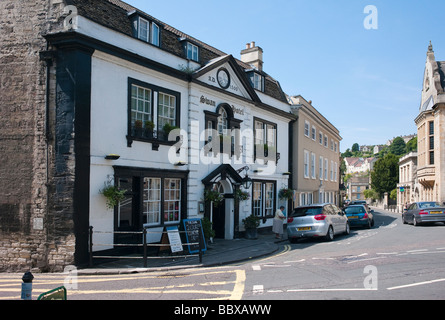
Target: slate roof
[114,14]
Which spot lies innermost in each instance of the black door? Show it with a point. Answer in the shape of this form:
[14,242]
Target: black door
[219,220]
[128,212]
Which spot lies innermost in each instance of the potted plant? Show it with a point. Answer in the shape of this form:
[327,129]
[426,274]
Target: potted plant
[251,223]
[113,195]
[138,128]
[149,126]
[166,129]
[207,227]
[285,194]
[213,196]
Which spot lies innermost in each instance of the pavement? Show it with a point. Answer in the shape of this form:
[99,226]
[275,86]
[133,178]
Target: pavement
[219,253]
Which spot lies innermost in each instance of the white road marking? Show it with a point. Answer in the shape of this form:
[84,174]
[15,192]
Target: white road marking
[416,284]
[256,268]
[258,289]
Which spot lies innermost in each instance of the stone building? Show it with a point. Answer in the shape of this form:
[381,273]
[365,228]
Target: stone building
[431,131]
[407,188]
[89,91]
[315,155]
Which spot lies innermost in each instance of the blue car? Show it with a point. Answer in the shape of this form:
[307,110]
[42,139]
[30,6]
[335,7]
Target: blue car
[359,216]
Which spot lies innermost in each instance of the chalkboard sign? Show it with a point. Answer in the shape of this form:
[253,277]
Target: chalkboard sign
[192,227]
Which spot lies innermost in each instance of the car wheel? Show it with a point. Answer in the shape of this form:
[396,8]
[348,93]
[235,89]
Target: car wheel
[330,235]
[348,229]
[403,219]
[415,223]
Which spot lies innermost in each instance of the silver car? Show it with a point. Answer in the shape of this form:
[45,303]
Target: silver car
[317,220]
[424,212]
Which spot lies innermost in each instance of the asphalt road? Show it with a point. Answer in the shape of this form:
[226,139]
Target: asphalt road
[391,261]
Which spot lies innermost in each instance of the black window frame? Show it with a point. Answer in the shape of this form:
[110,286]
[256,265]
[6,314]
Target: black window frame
[263,199]
[265,155]
[158,137]
[140,174]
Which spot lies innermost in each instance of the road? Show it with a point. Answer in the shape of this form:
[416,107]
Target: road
[391,261]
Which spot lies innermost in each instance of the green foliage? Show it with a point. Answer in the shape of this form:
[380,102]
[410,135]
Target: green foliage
[241,195]
[251,222]
[213,196]
[411,145]
[207,227]
[398,146]
[385,175]
[393,194]
[371,194]
[113,195]
[355,147]
[285,194]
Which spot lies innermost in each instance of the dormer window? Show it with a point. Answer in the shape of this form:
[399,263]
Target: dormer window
[146,30]
[256,80]
[192,52]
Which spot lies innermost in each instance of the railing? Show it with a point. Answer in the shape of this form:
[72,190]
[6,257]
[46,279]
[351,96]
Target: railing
[144,245]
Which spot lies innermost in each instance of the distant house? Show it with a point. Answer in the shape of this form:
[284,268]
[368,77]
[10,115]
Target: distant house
[359,165]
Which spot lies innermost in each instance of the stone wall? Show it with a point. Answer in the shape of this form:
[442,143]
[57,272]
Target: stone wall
[27,188]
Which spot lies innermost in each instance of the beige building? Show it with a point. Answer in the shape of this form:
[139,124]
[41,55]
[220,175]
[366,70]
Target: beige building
[315,160]
[407,188]
[431,132]
[356,187]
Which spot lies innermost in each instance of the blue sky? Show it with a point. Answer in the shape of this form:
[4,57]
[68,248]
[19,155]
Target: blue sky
[367,83]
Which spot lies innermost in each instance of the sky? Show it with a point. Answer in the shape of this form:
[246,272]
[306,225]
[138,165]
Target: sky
[366,81]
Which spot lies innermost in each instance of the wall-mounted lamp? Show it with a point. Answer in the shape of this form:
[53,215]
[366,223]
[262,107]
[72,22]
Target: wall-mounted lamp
[180,164]
[286,173]
[112,156]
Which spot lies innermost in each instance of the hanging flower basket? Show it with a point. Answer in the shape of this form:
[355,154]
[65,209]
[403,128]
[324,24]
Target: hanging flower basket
[242,195]
[213,196]
[285,194]
[113,195]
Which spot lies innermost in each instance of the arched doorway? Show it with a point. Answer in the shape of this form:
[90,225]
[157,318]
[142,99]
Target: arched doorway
[225,216]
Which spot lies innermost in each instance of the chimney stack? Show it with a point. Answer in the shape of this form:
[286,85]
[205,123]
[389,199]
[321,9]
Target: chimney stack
[253,56]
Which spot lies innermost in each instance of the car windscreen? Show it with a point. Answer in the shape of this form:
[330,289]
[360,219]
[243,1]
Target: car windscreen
[355,210]
[425,205]
[306,211]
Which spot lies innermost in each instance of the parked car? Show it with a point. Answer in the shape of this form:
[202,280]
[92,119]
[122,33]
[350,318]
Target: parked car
[362,202]
[317,220]
[360,215]
[424,212]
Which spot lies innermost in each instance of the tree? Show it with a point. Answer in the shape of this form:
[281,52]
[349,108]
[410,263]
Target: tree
[385,176]
[355,147]
[370,194]
[398,146]
[411,145]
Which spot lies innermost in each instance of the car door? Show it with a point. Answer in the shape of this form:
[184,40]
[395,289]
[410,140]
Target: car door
[410,213]
[337,220]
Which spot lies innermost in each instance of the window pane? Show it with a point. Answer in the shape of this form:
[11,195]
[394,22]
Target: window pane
[143,29]
[152,200]
[257,199]
[155,34]
[172,200]
[140,104]
[166,109]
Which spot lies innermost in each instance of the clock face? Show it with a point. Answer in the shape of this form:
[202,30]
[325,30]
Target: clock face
[223,78]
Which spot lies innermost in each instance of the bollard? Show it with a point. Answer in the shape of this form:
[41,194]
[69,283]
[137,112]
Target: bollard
[27,286]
